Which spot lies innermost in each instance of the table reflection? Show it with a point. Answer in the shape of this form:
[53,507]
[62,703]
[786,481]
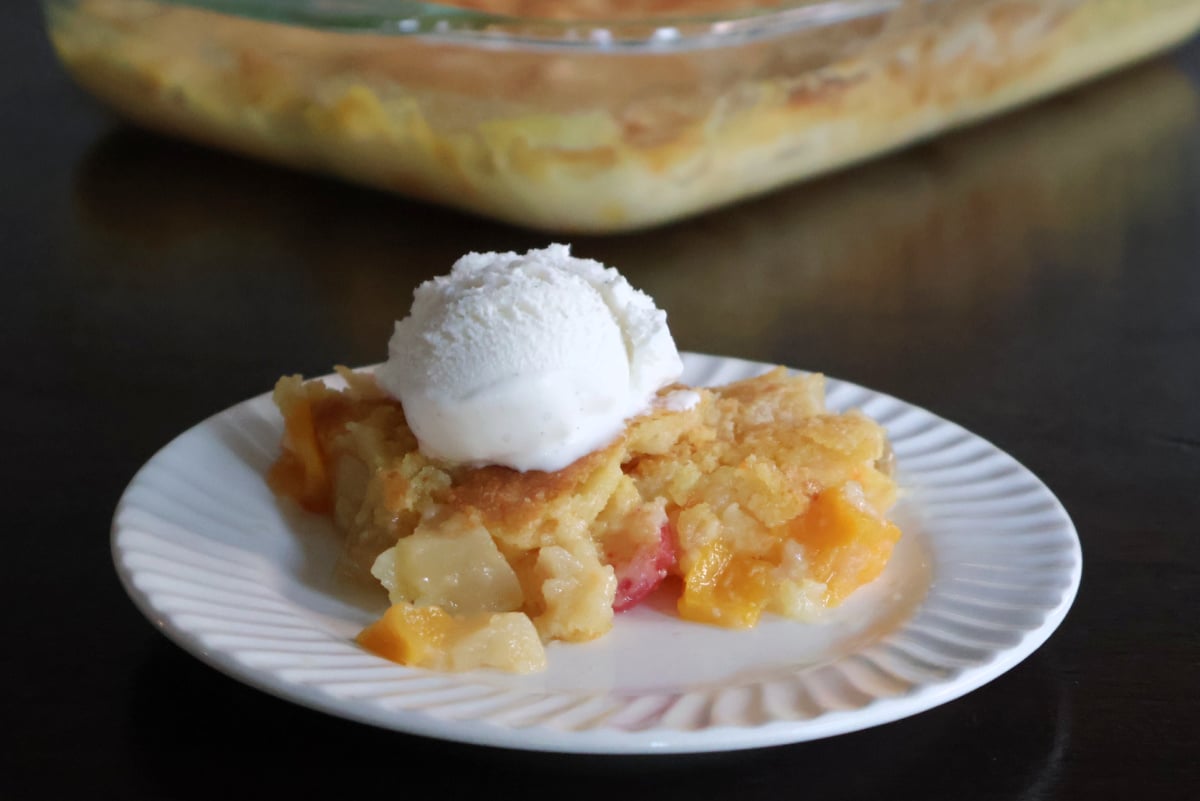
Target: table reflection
[956,229]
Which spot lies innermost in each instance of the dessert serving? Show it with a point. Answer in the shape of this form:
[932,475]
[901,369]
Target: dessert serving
[588,116]
[523,469]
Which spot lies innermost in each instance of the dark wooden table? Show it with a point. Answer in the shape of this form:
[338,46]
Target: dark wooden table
[1036,279]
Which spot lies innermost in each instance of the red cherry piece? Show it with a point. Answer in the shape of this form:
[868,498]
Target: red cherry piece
[639,577]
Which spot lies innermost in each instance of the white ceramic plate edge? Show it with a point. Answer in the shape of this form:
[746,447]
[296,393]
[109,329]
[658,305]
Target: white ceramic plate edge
[655,739]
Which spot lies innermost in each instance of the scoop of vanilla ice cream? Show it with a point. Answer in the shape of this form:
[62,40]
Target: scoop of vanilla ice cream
[529,361]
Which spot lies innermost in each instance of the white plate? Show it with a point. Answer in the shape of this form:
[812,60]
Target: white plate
[987,568]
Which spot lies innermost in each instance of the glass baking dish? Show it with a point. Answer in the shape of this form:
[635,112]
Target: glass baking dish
[588,115]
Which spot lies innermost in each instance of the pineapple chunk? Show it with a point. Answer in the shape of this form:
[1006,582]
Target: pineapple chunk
[460,570]
[508,641]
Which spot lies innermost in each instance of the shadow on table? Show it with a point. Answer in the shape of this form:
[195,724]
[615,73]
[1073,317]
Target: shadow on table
[199,735]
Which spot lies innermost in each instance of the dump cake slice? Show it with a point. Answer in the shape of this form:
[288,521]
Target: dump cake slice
[524,466]
[752,494]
